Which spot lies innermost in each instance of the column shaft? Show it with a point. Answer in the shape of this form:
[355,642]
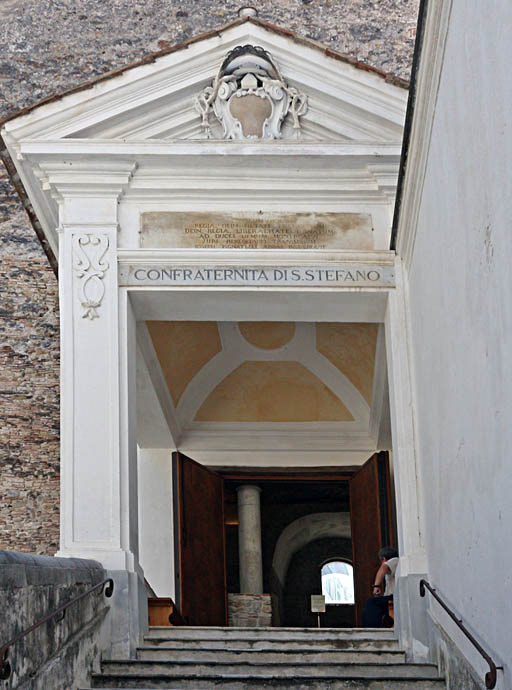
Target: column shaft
[249,540]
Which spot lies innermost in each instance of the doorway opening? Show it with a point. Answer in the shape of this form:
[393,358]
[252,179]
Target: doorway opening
[304,522]
[288,406]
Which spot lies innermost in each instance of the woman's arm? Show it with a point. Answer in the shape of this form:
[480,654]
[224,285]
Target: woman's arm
[380,577]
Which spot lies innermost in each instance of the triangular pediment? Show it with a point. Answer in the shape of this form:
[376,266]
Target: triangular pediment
[155,100]
[331,140]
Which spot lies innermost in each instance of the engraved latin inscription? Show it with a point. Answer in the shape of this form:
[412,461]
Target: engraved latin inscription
[257,230]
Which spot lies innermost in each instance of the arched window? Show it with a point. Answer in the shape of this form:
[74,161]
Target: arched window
[338,582]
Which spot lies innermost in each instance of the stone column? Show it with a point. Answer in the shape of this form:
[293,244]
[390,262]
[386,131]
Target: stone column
[249,539]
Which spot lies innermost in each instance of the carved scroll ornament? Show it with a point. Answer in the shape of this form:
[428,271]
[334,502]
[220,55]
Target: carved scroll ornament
[90,266]
[249,97]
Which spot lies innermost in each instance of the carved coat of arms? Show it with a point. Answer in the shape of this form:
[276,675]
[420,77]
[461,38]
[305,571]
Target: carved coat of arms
[249,97]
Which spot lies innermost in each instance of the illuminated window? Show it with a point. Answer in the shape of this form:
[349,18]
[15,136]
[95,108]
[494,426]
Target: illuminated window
[338,582]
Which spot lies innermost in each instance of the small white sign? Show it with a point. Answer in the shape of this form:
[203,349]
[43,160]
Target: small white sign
[350,275]
[317,603]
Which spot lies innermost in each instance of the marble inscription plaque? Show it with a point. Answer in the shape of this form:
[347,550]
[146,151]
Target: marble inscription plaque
[348,276]
[265,230]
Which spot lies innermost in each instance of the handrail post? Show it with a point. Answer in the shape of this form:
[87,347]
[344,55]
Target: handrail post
[491,677]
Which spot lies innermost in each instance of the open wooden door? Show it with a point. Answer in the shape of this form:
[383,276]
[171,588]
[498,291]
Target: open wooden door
[199,542]
[371,524]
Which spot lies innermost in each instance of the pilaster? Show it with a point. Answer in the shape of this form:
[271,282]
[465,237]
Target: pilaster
[97,454]
[410,518]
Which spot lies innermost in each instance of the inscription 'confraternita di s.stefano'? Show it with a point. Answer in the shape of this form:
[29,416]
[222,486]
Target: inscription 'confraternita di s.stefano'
[352,276]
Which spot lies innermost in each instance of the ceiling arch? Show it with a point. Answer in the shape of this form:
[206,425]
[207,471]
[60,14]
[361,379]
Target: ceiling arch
[303,531]
[242,396]
[301,348]
[277,391]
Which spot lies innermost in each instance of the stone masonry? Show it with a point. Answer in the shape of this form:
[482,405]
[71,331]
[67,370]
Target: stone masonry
[49,46]
[249,610]
[59,654]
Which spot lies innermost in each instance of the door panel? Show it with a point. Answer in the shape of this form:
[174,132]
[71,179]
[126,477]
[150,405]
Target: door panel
[199,542]
[371,523]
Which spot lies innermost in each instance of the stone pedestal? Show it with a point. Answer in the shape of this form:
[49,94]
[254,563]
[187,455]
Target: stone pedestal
[249,540]
[250,610]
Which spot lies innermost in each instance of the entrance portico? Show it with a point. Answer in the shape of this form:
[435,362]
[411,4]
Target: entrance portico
[293,231]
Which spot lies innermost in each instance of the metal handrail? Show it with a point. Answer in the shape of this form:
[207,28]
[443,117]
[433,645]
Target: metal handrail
[5,669]
[491,675]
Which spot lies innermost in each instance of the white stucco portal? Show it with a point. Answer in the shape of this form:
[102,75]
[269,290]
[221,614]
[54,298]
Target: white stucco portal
[99,158]
[382,306]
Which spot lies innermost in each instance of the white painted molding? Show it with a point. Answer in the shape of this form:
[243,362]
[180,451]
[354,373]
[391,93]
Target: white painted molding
[428,78]
[104,148]
[407,473]
[101,179]
[350,305]
[255,257]
[278,459]
[282,437]
[161,175]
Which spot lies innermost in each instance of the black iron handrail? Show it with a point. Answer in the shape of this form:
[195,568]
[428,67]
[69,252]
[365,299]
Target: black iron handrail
[5,668]
[491,675]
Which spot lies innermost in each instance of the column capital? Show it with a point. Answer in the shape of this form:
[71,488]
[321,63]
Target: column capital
[254,487]
[86,178]
[86,191]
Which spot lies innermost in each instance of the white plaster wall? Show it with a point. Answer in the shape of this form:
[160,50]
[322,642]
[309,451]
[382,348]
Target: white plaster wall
[460,300]
[156,543]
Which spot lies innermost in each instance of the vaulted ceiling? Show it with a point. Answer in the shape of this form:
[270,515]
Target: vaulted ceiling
[241,380]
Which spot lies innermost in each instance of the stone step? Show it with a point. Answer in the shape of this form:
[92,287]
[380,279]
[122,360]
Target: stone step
[287,634]
[265,644]
[329,638]
[182,669]
[261,656]
[243,682]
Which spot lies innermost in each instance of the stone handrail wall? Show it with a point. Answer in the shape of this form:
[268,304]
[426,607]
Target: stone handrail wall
[57,655]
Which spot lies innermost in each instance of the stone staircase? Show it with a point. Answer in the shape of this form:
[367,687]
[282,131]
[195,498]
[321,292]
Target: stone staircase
[186,658]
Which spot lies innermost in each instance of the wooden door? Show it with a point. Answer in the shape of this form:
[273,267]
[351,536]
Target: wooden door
[371,524]
[199,542]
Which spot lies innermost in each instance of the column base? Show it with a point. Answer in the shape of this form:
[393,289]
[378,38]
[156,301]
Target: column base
[249,610]
[128,614]
[411,616]
[110,559]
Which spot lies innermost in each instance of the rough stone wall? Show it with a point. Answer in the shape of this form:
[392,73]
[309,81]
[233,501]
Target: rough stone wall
[29,386]
[49,46]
